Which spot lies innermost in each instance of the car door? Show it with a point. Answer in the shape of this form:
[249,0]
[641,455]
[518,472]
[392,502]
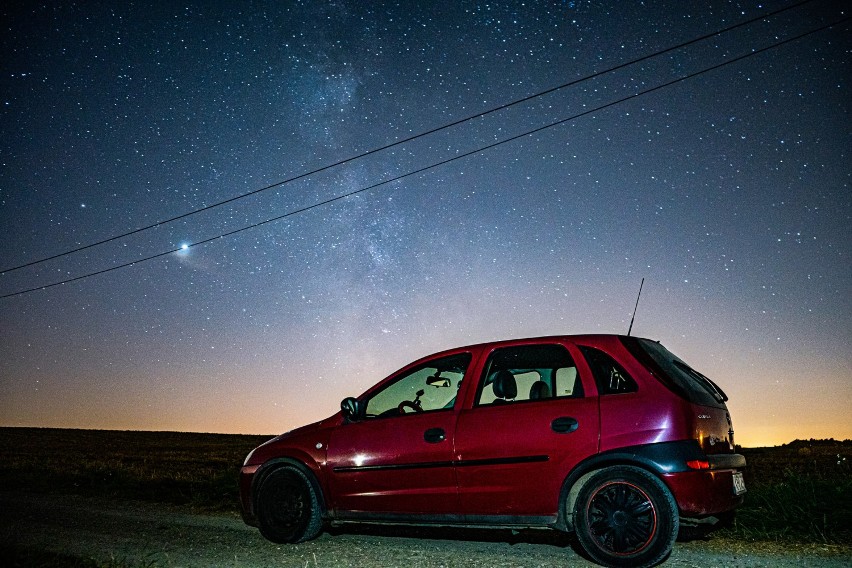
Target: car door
[396,458]
[527,426]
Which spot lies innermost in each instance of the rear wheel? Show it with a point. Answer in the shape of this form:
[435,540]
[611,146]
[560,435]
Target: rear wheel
[287,507]
[626,516]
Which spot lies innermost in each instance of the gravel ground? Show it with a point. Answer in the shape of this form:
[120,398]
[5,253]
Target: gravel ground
[162,535]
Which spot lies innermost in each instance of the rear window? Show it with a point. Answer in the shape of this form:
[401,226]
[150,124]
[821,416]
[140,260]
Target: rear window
[675,374]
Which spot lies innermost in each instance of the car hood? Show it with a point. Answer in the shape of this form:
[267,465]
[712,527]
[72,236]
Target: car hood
[310,428]
[307,429]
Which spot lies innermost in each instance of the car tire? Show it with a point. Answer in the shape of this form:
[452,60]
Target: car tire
[626,516]
[288,509]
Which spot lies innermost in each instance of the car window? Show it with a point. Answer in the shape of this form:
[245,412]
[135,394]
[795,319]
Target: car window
[429,387]
[528,372]
[675,374]
[610,377]
[567,382]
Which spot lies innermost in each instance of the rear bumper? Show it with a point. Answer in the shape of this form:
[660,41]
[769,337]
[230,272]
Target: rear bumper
[726,461]
[703,493]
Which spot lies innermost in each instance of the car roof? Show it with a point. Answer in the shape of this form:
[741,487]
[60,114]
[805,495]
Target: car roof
[600,339]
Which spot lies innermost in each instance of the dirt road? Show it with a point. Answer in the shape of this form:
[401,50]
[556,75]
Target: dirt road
[160,535]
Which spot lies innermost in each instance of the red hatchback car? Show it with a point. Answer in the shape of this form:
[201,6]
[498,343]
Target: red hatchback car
[609,436]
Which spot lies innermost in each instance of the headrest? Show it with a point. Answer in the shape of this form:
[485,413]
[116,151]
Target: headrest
[504,385]
[539,389]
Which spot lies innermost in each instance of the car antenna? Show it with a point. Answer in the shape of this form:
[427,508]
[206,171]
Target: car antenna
[629,329]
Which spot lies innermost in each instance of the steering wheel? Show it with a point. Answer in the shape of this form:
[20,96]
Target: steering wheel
[408,404]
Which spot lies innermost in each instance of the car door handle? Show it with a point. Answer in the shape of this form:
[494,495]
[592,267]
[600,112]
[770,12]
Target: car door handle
[435,435]
[564,425]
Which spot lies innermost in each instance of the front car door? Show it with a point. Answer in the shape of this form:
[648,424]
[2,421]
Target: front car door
[396,458]
[528,425]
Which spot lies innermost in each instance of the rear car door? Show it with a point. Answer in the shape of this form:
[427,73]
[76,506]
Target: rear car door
[528,425]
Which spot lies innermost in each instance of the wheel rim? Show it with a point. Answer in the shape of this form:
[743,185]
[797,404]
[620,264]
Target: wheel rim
[622,518]
[287,505]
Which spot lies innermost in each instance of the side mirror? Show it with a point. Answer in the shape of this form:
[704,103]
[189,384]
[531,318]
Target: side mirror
[350,408]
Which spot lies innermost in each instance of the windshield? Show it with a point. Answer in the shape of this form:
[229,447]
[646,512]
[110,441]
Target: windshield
[675,374]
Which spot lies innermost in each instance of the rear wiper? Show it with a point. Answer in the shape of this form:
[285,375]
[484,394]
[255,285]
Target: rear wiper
[716,387]
[708,385]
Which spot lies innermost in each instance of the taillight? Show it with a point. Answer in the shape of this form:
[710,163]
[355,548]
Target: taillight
[698,464]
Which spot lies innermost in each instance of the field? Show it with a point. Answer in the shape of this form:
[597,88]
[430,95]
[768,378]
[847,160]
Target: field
[171,467]
[797,493]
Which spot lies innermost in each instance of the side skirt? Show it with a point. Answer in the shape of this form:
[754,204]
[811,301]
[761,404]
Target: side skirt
[468,521]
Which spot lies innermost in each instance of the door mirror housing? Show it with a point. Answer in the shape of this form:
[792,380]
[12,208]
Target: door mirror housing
[351,408]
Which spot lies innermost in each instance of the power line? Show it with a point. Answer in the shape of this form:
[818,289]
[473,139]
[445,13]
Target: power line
[405,140]
[437,164]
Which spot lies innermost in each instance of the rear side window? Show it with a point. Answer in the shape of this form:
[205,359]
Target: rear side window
[528,372]
[610,377]
[674,373]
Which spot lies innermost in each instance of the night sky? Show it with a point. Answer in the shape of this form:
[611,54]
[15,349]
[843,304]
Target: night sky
[729,192]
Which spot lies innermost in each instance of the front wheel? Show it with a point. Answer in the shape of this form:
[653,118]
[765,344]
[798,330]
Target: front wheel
[288,510]
[626,516]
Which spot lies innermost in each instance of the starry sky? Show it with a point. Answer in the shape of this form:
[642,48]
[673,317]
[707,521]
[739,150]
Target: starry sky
[729,192]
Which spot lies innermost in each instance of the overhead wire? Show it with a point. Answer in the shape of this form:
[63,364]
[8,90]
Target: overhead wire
[403,141]
[437,164]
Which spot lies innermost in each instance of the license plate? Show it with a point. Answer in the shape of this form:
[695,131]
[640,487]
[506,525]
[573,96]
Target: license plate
[739,484]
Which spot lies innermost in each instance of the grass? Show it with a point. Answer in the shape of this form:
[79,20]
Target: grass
[800,508]
[797,493]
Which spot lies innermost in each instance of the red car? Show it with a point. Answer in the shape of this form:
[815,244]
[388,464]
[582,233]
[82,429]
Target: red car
[609,436]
